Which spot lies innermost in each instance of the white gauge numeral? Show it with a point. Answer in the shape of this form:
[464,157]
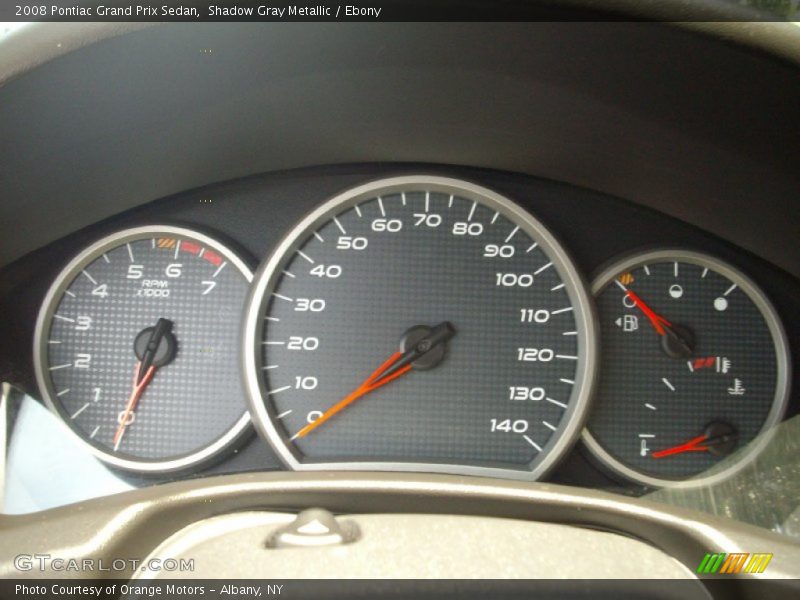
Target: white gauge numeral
[173,270]
[309,305]
[101,291]
[495,251]
[427,219]
[313,416]
[509,426]
[521,392]
[306,383]
[535,354]
[210,285]
[300,343]
[465,228]
[346,242]
[135,271]
[83,323]
[524,280]
[329,271]
[83,361]
[390,225]
[531,315]
[96,394]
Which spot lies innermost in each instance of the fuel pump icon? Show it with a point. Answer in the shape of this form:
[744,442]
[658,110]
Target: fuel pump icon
[628,323]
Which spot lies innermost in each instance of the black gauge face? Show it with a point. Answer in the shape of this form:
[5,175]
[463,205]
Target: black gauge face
[138,348]
[694,368]
[420,323]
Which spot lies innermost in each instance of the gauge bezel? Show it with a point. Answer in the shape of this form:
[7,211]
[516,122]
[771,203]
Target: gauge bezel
[783,363]
[269,272]
[61,283]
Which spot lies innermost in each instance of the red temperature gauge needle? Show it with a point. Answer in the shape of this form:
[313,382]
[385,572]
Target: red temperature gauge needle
[136,393]
[656,320]
[720,439]
[693,445]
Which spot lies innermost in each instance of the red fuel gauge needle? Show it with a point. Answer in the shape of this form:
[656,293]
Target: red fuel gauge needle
[676,341]
[656,320]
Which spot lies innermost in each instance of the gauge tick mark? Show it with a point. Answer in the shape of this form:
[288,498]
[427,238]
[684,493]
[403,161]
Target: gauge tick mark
[532,443]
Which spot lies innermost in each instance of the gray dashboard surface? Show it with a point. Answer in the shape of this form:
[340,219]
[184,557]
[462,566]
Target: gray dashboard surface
[697,128]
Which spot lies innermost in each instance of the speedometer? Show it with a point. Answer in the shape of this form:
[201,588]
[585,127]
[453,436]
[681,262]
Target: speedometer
[420,323]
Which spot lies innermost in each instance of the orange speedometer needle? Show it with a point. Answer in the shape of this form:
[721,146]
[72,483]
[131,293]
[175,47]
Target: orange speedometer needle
[139,386]
[397,365]
[656,320]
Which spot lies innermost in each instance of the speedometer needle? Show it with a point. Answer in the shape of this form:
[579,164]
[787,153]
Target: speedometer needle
[397,365]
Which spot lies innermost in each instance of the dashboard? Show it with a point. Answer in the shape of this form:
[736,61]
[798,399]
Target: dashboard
[596,343]
[443,269]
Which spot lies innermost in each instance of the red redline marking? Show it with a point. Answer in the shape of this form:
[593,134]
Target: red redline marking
[212,257]
[190,247]
[704,363]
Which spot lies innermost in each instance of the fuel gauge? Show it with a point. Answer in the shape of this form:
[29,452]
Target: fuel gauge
[694,371]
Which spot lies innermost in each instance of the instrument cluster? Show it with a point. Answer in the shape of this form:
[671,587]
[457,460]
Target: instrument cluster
[456,322]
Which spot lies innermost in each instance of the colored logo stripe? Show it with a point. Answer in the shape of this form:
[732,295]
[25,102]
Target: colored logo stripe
[758,563]
[711,563]
[734,563]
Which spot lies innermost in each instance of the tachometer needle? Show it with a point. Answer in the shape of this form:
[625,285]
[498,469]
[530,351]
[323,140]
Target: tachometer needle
[138,388]
[146,368]
[397,365]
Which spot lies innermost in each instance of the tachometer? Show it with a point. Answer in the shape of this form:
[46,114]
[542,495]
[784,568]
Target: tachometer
[420,323]
[694,372]
[137,348]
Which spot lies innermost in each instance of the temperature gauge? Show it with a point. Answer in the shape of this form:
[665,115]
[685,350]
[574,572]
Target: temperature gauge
[694,370]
